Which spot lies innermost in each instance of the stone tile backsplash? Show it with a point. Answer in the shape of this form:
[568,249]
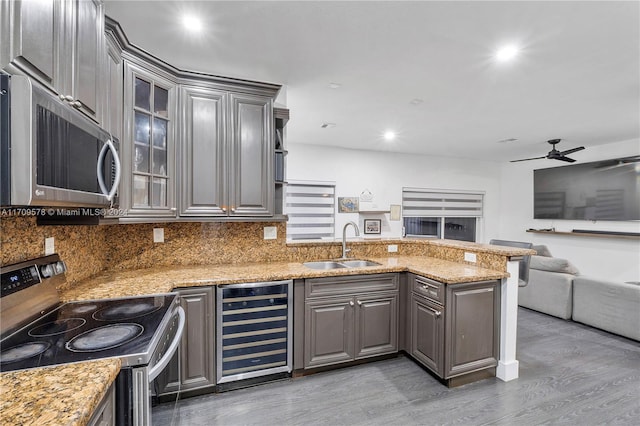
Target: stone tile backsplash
[89,250]
[84,248]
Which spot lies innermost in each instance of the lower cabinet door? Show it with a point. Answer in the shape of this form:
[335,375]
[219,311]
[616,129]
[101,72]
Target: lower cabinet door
[472,327]
[328,334]
[427,333]
[376,325]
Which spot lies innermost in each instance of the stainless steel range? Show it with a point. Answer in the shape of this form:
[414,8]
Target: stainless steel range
[38,330]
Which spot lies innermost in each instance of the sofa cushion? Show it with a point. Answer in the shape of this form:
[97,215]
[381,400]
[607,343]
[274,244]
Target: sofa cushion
[553,264]
[542,250]
[610,306]
[548,292]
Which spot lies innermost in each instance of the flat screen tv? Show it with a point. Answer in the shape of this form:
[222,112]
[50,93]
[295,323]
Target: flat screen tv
[601,190]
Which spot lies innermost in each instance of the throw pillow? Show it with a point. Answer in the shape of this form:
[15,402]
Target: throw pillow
[542,250]
[553,264]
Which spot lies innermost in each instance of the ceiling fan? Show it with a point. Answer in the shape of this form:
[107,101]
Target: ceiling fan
[554,154]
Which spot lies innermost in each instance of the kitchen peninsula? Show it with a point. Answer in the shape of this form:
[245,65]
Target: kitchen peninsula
[435,260]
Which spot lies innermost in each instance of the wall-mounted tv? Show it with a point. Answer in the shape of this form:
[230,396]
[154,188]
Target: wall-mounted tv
[601,190]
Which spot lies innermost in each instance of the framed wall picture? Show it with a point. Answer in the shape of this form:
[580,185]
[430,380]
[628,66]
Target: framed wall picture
[372,226]
[395,212]
[348,205]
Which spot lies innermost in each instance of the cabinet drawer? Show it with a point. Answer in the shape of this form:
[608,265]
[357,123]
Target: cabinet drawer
[335,286]
[434,290]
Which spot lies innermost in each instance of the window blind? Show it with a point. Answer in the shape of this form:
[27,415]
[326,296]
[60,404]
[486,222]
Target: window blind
[418,202]
[310,207]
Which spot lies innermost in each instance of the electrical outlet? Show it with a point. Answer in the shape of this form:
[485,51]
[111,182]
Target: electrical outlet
[392,248]
[470,257]
[270,232]
[49,246]
[158,235]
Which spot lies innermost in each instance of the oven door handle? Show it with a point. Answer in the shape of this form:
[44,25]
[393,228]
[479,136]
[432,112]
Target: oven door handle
[157,369]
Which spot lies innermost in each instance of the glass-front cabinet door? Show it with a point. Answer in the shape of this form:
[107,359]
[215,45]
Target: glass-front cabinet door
[150,111]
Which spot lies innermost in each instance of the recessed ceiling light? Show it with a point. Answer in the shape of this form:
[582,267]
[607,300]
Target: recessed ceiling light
[416,101]
[334,85]
[328,125]
[507,140]
[507,53]
[192,23]
[389,135]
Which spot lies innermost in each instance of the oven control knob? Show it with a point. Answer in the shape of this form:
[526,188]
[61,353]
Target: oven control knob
[46,271]
[59,267]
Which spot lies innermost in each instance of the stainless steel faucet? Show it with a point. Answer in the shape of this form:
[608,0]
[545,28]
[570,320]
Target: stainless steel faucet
[345,250]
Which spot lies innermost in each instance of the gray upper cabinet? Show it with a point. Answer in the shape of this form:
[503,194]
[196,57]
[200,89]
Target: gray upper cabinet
[148,183]
[31,35]
[112,113]
[251,156]
[88,40]
[203,152]
[60,44]
[226,153]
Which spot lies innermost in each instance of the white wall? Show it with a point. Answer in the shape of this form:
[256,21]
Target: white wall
[508,198]
[384,174]
[606,258]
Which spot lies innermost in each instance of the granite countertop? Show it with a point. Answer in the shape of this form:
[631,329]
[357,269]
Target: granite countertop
[165,279]
[69,393]
[66,394]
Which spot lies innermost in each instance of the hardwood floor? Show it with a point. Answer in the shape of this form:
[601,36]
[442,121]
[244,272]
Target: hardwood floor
[569,374]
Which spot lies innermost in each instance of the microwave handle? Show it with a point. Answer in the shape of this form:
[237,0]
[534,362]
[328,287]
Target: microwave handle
[100,169]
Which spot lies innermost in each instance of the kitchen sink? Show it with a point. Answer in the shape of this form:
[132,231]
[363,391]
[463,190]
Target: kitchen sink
[357,263]
[328,264]
[337,264]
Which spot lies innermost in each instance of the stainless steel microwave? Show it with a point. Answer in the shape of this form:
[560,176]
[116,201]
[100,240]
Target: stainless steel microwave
[51,154]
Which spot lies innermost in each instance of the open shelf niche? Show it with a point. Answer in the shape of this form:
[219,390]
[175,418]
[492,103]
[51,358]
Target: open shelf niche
[281,118]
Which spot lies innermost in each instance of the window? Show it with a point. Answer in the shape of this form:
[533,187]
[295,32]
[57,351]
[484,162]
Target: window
[441,214]
[311,208]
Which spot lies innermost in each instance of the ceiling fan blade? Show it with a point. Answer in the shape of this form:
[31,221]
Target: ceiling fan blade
[527,159]
[571,151]
[567,159]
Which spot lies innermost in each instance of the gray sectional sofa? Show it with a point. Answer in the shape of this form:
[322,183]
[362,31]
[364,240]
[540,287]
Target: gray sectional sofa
[556,288]
[610,306]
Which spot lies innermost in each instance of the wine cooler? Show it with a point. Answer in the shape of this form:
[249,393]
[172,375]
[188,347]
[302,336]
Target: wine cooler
[254,329]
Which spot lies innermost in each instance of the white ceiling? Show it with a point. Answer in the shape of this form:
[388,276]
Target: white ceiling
[576,78]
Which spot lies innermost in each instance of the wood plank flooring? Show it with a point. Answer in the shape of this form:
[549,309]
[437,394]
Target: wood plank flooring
[569,374]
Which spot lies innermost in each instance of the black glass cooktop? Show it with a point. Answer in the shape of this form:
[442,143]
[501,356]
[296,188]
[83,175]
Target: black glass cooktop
[82,331]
